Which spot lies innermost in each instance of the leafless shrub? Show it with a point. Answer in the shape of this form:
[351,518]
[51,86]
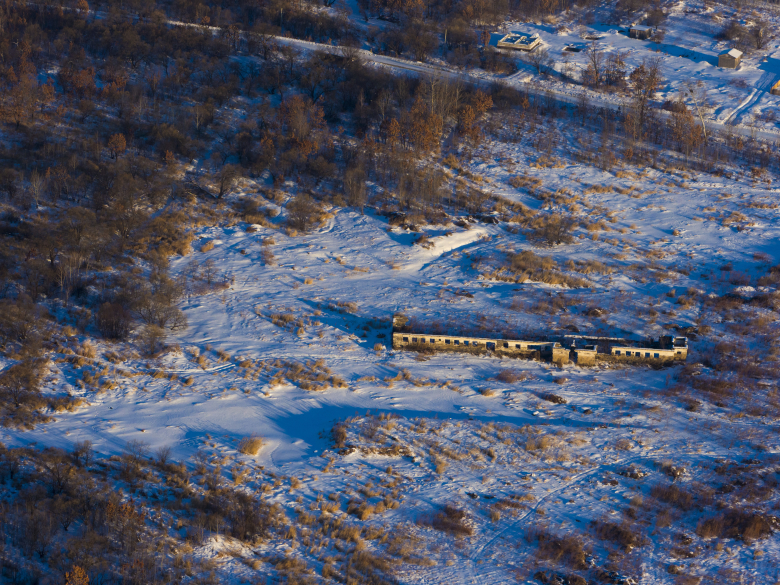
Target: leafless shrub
[736,523]
[162,455]
[626,535]
[511,376]
[304,213]
[674,496]
[267,256]
[19,318]
[113,321]
[551,230]
[450,520]
[554,398]
[339,435]
[568,549]
[672,470]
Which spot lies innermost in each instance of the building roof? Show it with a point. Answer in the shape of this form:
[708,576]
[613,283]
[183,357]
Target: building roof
[736,53]
[640,27]
[519,39]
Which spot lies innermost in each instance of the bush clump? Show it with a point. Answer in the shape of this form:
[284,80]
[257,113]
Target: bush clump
[451,520]
[735,523]
[554,398]
[250,445]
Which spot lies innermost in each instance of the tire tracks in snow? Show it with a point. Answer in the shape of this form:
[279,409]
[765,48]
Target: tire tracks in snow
[764,82]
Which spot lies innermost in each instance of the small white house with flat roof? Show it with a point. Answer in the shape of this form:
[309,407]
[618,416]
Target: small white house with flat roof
[641,32]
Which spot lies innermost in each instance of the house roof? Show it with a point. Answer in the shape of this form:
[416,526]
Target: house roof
[515,38]
[641,27]
[736,53]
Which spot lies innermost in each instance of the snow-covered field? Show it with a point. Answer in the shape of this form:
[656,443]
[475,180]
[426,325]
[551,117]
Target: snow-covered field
[347,461]
[287,351]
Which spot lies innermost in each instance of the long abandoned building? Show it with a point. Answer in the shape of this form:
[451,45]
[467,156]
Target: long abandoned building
[584,351]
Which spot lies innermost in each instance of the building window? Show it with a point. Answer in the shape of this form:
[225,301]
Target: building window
[518,346]
[506,344]
[433,341]
[617,352]
[647,354]
[447,341]
[465,343]
[457,342]
[657,355]
[406,339]
[414,340]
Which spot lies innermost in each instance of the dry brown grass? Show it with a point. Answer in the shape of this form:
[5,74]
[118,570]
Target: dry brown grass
[87,350]
[527,266]
[250,445]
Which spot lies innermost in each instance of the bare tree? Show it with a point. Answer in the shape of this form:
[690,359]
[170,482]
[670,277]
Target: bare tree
[37,185]
[540,59]
[208,270]
[351,54]
[162,455]
[553,230]
[20,380]
[152,339]
[59,469]
[645,81]
[83,452]
[595,65]
[698,95]
[761,34]
[227,178]
[303,212]
[384,102]
[355,187]
[136,452]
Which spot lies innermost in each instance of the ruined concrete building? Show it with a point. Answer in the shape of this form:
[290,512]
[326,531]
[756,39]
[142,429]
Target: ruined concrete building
[586,351]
